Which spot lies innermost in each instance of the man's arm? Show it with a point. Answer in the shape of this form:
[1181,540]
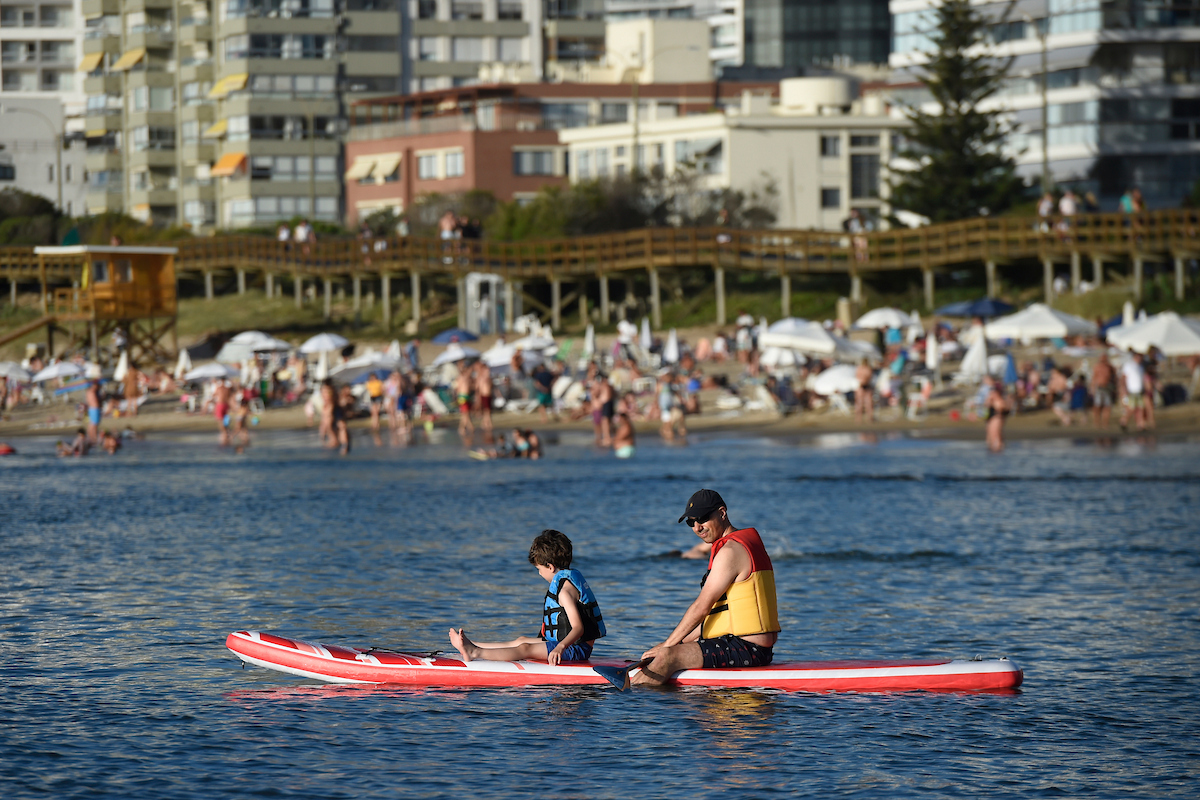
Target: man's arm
[728,564]
[568,598]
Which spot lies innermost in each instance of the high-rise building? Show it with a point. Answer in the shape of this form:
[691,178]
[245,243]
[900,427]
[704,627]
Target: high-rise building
[802,33]
[1118,95]
[724,19]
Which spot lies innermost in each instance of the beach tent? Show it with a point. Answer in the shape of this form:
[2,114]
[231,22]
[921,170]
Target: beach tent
[985,307]
[781,358]
[455,352]
[448,336]
[835,380]
[803,335]
[884,318]
[1039,321]
[975,364]
[208,371]
[535,342]
[1172,334]
[324,343]
[499,356]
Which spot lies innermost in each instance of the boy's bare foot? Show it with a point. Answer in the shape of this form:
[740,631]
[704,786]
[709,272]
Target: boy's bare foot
[462,644]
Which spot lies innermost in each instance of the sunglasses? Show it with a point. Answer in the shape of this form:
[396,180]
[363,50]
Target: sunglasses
[694,521]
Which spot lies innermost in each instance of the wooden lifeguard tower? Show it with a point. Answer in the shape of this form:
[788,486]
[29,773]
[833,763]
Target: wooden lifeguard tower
[132,288]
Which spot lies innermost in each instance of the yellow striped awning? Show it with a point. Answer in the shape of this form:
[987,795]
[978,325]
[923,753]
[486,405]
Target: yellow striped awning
[129,59]
[228,164]
[216,130]
[386,164]
[361,168]
[90,62]
[230,83]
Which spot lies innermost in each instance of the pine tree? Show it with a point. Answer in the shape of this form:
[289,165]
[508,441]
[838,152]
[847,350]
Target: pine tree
[960,169]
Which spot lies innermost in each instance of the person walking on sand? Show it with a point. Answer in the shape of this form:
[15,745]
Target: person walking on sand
[462,395]
[571,618]
[132,390]
[483,394]
[1102,391]
[734,621]
[864,402]
[221,396]
[94,413]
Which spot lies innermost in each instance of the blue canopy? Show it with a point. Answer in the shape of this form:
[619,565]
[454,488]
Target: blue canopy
[1112,323]
[985,307]
[454,334]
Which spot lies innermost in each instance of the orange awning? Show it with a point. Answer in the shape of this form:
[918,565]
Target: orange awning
[228,164]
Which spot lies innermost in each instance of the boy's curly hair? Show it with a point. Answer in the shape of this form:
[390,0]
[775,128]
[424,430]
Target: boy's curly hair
[551,548]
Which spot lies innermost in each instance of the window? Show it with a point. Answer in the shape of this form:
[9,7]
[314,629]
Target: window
[427,48]
[565,115]
[864,176]
[426,9]
[601,162]
[583,165]
[123,268]
[371,44]
[613,112]
[831,198]
[260,168]
[466,9]
[864,141]
[706,155]
[99,272]
[509,9]
[533,162]
[466,48]
[831,146]
[427,167]
[508,48]
[454,164]
[190,131]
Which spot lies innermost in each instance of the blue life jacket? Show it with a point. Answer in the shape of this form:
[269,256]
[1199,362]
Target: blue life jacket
[555,624]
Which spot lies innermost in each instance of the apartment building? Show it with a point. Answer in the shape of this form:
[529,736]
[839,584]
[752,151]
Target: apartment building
[40,44]
[228,114]
[823,149]
[801,33]
[725,20]
[1117,105]
[505,139]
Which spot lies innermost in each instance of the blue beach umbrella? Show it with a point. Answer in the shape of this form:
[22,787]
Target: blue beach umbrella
[446,337]
[984,307]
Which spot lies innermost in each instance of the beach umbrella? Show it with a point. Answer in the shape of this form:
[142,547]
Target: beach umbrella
[1039,321]
[933,352]
[1170,333]
[836,379]
[1127,314]
[780,357]
[63,369]
[589,341]
[794,333]
[455,352]
[209,371]
[851,350]
[670,353]
[915,329]
[359,368]
[184,364]
[250,337]
[986,307]
[323,343]
[499,356]
[645,340]
[974,364]
[322,370]
[884,318]
[394,349]
[534,342]
[122,367]
[452,335]
[13,370]
[271,345]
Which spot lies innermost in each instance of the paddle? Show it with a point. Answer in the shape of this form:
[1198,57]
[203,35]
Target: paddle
[619,676]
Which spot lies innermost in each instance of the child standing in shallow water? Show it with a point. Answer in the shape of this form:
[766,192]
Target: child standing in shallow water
[571,620]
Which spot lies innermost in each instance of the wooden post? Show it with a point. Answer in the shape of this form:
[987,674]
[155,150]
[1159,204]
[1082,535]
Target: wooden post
[555,304]
[583,306]
[1139,271]
[328,311]
[241,281]
[298,287]
[357,283]
[719,281]
[927,275]
[856,292]
[42,274]
[1076,270]
[604,307]
[1098,271]
[1178,278]
[270,285]
[415,279]
[460,291]
[208,284]
[1048,279]
[989,267]
[655,301]
[385,289]
[510,312]
[12,291]
[785,291]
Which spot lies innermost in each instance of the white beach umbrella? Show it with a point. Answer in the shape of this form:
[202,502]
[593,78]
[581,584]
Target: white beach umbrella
[804,335]
[122,367]
[271,345]
[533,342]
[250,337]
[1127,314]
[183,365]
[322,370]
[645,340]
[852,350]
[589,341]
[63,369]
[1039,321]
[209,371]
[500,355]
[839,378]
[1172,334]
[324,343]
[11,369]
[455,352]
[394,349]
[974,364]
[933,352]
[884,318]
[670,354]
[781,357]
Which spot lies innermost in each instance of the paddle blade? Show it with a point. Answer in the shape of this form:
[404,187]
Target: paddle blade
[619,676]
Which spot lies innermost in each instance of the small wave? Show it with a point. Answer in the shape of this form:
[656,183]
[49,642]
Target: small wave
[909,478]
[865,556]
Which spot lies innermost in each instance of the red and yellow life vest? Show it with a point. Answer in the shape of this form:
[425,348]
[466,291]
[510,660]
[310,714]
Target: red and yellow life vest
[748,606]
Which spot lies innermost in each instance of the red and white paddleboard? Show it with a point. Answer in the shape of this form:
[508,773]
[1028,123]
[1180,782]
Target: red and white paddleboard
[335,664]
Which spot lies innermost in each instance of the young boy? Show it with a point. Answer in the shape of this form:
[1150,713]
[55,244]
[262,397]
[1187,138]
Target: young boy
[571,621]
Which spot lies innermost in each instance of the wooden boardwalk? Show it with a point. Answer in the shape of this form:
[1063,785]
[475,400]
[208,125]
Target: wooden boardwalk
[1157,236]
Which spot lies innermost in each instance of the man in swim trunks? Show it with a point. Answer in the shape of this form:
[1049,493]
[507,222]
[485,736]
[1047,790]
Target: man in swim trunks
[483,392]
[734,621]
[93,411]
[221,395]
[463,385]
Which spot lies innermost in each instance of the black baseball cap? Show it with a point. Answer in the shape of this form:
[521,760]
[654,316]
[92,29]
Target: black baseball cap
[701,504]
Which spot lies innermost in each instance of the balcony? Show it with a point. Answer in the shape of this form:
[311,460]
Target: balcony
[193,31]
[196,70]
[101,8]
[148,5]
[151,37]
[103,161]
[151,158]
[109,120]
[196,190]
[196,153]
[102,84]
[102,200]
[154,196]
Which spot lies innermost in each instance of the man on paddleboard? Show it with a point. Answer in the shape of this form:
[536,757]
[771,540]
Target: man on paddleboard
[734,622]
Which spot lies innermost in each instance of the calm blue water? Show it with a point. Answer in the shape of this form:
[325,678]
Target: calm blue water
[120,577]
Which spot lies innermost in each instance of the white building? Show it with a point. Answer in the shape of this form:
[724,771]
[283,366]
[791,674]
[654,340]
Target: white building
[41,43]
[29,130]
[1122,93]
[725,20]
[823,149]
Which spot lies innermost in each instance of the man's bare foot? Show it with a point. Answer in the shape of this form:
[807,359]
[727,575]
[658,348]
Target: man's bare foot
[462,644]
